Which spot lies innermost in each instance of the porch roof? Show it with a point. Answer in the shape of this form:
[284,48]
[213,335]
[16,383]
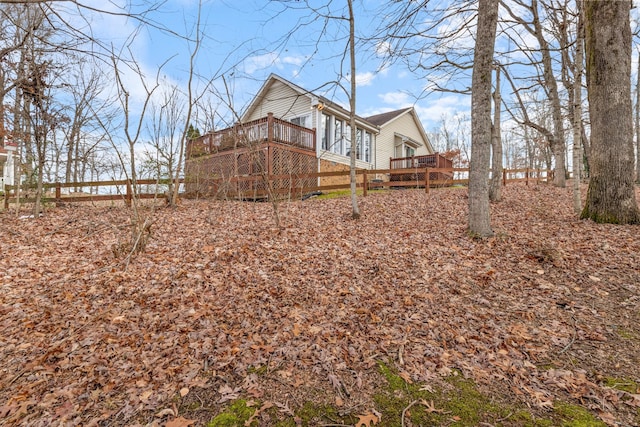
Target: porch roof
[406,138]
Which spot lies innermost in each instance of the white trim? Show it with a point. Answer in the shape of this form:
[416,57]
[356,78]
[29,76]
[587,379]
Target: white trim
[408,140]
[344,160]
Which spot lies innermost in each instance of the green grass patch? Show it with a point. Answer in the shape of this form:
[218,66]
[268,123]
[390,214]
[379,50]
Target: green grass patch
[234,416]
[576,416]
[455,401]
[623,384]
[461,404]
[312,414]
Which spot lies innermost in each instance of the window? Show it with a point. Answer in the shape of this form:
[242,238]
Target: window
[367,147]
[304,121]
[326,131]
[409,151]
[296,135]
[339,137]
[359,144]
[347,141]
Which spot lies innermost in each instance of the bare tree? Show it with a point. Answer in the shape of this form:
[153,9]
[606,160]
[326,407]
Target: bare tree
[495,189]
[355,213]
[433,39]
[637,122]
[83,136]
[191,100]
[611,194]
[140,222]
[58,29]
[162,154]
[35,115]
[577,113]
[534,26]
[479,209]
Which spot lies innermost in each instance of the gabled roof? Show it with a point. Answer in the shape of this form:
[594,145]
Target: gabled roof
[262,93]
[384,119]
[313,98]
[381,119]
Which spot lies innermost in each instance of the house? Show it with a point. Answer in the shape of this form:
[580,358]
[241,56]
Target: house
[7,158]
[299,131]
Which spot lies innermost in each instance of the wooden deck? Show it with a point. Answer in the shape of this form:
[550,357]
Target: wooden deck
[419,164]
[436,160]
[261,148]
[251,135]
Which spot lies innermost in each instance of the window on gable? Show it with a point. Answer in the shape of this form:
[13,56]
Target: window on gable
[304,121]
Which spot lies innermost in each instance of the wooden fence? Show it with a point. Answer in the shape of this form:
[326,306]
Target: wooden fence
[119,190]
[298,187]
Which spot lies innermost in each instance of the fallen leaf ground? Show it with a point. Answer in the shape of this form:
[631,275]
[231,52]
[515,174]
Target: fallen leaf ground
[223,307]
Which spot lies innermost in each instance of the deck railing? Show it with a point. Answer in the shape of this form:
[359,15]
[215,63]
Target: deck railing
[435,160]
[252,134]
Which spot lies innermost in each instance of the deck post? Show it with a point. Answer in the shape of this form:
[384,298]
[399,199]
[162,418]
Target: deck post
[269,127]
[426,180]
[365,183]
[58,191]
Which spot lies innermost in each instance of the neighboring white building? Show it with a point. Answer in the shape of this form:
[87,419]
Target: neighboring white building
[7,156]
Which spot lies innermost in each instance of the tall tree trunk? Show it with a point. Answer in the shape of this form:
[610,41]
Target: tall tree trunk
[638,124]
[355,213]
[495,191]
[479,208]
[611,195]
[558,145]
[577,113]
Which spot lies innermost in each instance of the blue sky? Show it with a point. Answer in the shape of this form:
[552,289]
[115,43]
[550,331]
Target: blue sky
[247,40]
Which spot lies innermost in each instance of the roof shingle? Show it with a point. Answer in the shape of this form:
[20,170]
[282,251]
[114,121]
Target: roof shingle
[380,119]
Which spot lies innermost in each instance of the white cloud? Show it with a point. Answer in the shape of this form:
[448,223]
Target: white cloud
[445,106]
[260,62]
[293,60]
[396,99]
[365,79]
[273,60]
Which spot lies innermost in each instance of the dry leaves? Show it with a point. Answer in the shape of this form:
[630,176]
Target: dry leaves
[367,420]
[219,295]
[180,422]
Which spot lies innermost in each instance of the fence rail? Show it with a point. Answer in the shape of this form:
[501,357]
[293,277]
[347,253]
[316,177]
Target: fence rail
[124,191]
[298,184]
